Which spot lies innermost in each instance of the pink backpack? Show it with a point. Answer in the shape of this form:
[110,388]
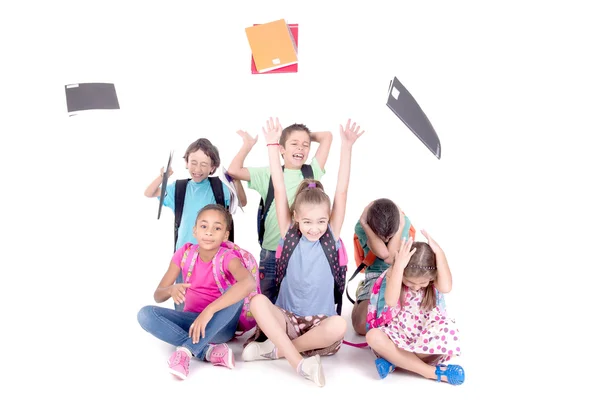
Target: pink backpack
[379,313]
[246,321]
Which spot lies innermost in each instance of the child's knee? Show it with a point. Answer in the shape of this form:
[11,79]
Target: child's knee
[258,302]
[375,338]
[145,316]
[359,317]
[337,327]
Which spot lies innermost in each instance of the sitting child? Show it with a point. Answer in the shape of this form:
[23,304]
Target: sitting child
[406,325]
[210,317]
[303,321]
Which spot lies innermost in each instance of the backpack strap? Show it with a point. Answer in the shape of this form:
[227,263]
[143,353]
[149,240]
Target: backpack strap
[263,209]
[217,188]
[180,189]
[290,241]
[338,271]
[307,171]
[366,262]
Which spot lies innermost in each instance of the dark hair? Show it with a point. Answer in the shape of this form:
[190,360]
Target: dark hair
[207,148]
[307,194]
[292,128]
[222,210]
[383,217]
[422,264]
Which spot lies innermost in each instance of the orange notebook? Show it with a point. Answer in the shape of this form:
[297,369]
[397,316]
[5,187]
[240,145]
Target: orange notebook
[290,68]
[272,45]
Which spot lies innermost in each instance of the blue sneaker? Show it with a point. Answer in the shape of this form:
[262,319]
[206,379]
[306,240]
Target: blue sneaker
[384,367]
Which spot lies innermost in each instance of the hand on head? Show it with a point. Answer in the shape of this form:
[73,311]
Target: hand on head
[404,254]
[432,243]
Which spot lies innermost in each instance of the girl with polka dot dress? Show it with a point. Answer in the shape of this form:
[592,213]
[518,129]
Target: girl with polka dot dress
[407,327]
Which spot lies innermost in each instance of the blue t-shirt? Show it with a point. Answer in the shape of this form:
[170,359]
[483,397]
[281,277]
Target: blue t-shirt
[307,288]
[197,195]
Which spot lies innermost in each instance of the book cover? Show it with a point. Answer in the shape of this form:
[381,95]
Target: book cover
[288,69]
[406,108]
[91,96]
[272,45]
[234,203]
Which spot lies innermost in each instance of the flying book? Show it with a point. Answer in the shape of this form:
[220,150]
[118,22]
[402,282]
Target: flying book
[272,45]
[288,69]
[91,96]
[163,187]
[401,102]
[234,202]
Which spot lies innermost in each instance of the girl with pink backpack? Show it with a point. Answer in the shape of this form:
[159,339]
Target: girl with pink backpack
[220,278]
[407,323]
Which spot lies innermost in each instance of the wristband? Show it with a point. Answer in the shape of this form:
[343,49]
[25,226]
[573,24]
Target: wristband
[272,144]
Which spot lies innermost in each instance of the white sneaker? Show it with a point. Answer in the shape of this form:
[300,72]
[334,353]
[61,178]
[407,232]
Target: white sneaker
[312,370]
[259,351]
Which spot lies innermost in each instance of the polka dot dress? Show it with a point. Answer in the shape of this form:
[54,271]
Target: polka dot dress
[431,333]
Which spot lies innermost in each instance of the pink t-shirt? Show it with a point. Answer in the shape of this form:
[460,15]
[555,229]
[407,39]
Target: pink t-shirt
[203,289]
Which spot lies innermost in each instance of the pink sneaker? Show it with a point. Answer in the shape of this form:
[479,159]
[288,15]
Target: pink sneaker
[179,364]
[222,355]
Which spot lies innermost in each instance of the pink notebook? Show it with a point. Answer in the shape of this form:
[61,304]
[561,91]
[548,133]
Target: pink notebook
[289,68]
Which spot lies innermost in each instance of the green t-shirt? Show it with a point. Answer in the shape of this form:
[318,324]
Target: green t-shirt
[378,265]
[259,181]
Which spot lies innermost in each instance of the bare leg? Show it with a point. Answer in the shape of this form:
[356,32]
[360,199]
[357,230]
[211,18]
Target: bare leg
[359,317]
[329,331]
[272,323]
[384,346]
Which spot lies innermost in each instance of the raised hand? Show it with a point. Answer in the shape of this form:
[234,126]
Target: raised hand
[432,243]
[177,292]
[350,133]
[162,171]
[249,141]
[404,254]
[272,131]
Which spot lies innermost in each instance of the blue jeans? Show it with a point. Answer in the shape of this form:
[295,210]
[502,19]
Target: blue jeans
[266,269]
[173,326]
[179,279]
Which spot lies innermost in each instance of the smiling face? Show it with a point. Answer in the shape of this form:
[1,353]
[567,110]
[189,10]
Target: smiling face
[296,148]
[312,220]
[199,165]
[210,229]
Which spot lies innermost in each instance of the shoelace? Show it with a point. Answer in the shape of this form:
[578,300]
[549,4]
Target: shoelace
[178,361]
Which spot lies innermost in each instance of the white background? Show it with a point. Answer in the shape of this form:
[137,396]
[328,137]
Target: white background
[510,87]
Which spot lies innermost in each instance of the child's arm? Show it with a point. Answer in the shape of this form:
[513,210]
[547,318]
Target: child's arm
[338,210]
[167,289]
[282,207]
[244,284]
[376,245]
[324,139]
[240,192]
[236,168]
[396,272]
[443,281]
[153,190]
[394,243]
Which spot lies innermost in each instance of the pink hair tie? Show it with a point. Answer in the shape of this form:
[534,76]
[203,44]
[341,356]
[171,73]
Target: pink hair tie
[312,185]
